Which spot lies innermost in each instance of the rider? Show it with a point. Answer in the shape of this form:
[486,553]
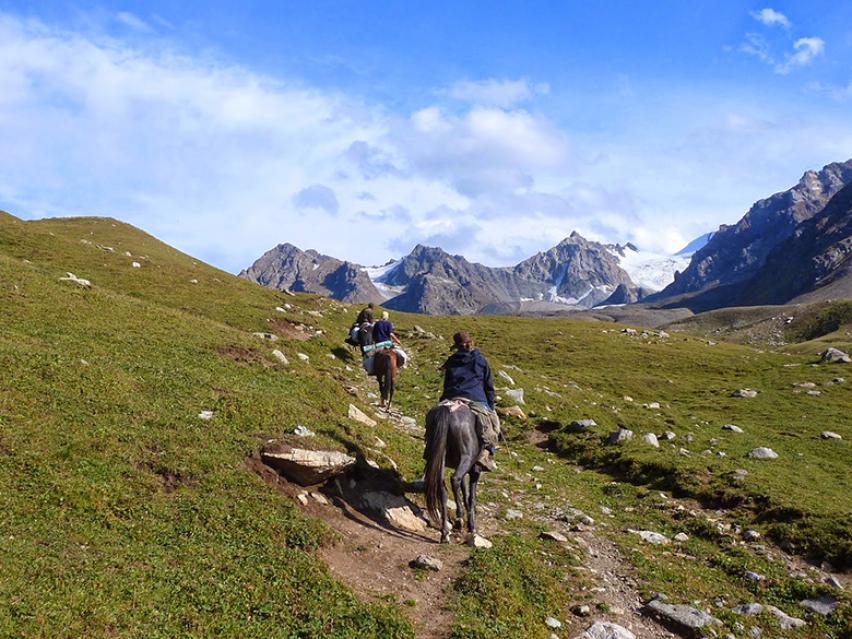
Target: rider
[365,316]
[467,376]
[383,331]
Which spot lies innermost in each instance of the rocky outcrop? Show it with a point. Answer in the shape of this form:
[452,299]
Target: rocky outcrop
[736,253]
[287,268]
[305,467]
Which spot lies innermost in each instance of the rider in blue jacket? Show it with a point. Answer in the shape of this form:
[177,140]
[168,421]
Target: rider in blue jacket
[467,376]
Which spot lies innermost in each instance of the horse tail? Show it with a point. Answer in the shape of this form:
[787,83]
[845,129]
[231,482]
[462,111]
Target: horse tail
[437,425]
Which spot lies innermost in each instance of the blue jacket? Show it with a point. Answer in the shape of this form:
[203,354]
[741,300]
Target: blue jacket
[382,331]
[467,374]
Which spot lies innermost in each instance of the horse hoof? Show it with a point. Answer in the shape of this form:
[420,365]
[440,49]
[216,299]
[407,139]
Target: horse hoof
[457,524]
[445,539]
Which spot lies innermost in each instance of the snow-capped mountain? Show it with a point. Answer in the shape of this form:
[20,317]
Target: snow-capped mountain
[654,271]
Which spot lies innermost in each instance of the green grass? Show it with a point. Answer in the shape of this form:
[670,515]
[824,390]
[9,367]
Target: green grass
[123,514]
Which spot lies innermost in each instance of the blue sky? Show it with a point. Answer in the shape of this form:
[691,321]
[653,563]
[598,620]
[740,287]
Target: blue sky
[362,128]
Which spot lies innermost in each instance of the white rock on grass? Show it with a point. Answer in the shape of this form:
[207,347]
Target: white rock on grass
[827,434]
[651,439]
[79,281]
[733,428]
[206,415]
[269,337]
[357,415]
[581,425]
[748,609]
[512,514]
[135,265]
[824,605]
[785,621]
[552,622]
[281,357]
[303,357]
[652,405]
[606,630]
[303,431]
[619,436]
[516,395]
[506,377]
[762,453]
[681,537]
[744,392]
[554,535]
[477,541]
[651,537]
[834,356]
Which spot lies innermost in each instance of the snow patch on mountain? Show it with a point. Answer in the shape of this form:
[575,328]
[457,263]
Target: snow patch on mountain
[379,276]
[655,271]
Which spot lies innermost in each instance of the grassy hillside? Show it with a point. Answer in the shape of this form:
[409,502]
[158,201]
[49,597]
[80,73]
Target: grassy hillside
[124,514]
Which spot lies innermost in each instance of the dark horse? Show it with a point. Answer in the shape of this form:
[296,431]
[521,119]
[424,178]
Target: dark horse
[385,364]
[451,441]
[385,367]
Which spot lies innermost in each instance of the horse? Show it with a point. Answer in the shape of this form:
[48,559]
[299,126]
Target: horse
[385,367]
[451,441]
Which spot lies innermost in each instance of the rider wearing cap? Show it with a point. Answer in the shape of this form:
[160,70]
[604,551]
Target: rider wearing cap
[467,376]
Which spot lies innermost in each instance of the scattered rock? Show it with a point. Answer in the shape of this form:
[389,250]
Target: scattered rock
[581,425]
[762,453]
[193,281]
[738,475]
[396,510]
[206,415]
[425,562]
[513,411]
[320,499]
[135,265]
[651,537]
[281,357]
[834,356]
[744,392]
[733,428]
[753,576]
[606,630]
[581,610]
[785,621]
[553,623]
[357,415]
[748,609]
[506,376]
[827,434]
[303,431]
[303,498]
[751,535]
[680,617]
[554,535]
[516,395]
[651,439]
[269,337]
[668,435]
[303,357]
[652,405]
[512,514]
[305,467]
[79,281]
[478,541]
[627,398]
[681,537]
[834,582]
[619,436]
[824,605]
[813,393]
[628,331]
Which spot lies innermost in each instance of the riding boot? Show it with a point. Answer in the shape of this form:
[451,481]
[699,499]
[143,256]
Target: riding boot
[486,460]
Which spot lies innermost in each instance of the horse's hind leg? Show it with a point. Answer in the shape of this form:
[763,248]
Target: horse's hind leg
[445,534]
[471,504]
[460,495]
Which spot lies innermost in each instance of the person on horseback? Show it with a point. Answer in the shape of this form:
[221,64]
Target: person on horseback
[383,331]
[467,377]
[364,317]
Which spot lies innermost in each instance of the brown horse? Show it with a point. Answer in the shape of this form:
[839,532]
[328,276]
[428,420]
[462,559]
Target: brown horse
[385,367]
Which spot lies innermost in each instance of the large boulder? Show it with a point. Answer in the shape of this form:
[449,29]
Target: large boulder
[834,355]
[606,630]
[396,510]
[303,466]
[683,619]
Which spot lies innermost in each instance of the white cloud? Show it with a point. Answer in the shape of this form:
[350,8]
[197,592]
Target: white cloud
[316,197]
[133,21]
[771,18]
[806,50]
[498,93]
[757,46]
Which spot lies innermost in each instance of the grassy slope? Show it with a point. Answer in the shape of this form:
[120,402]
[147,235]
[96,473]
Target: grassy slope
[97,547]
